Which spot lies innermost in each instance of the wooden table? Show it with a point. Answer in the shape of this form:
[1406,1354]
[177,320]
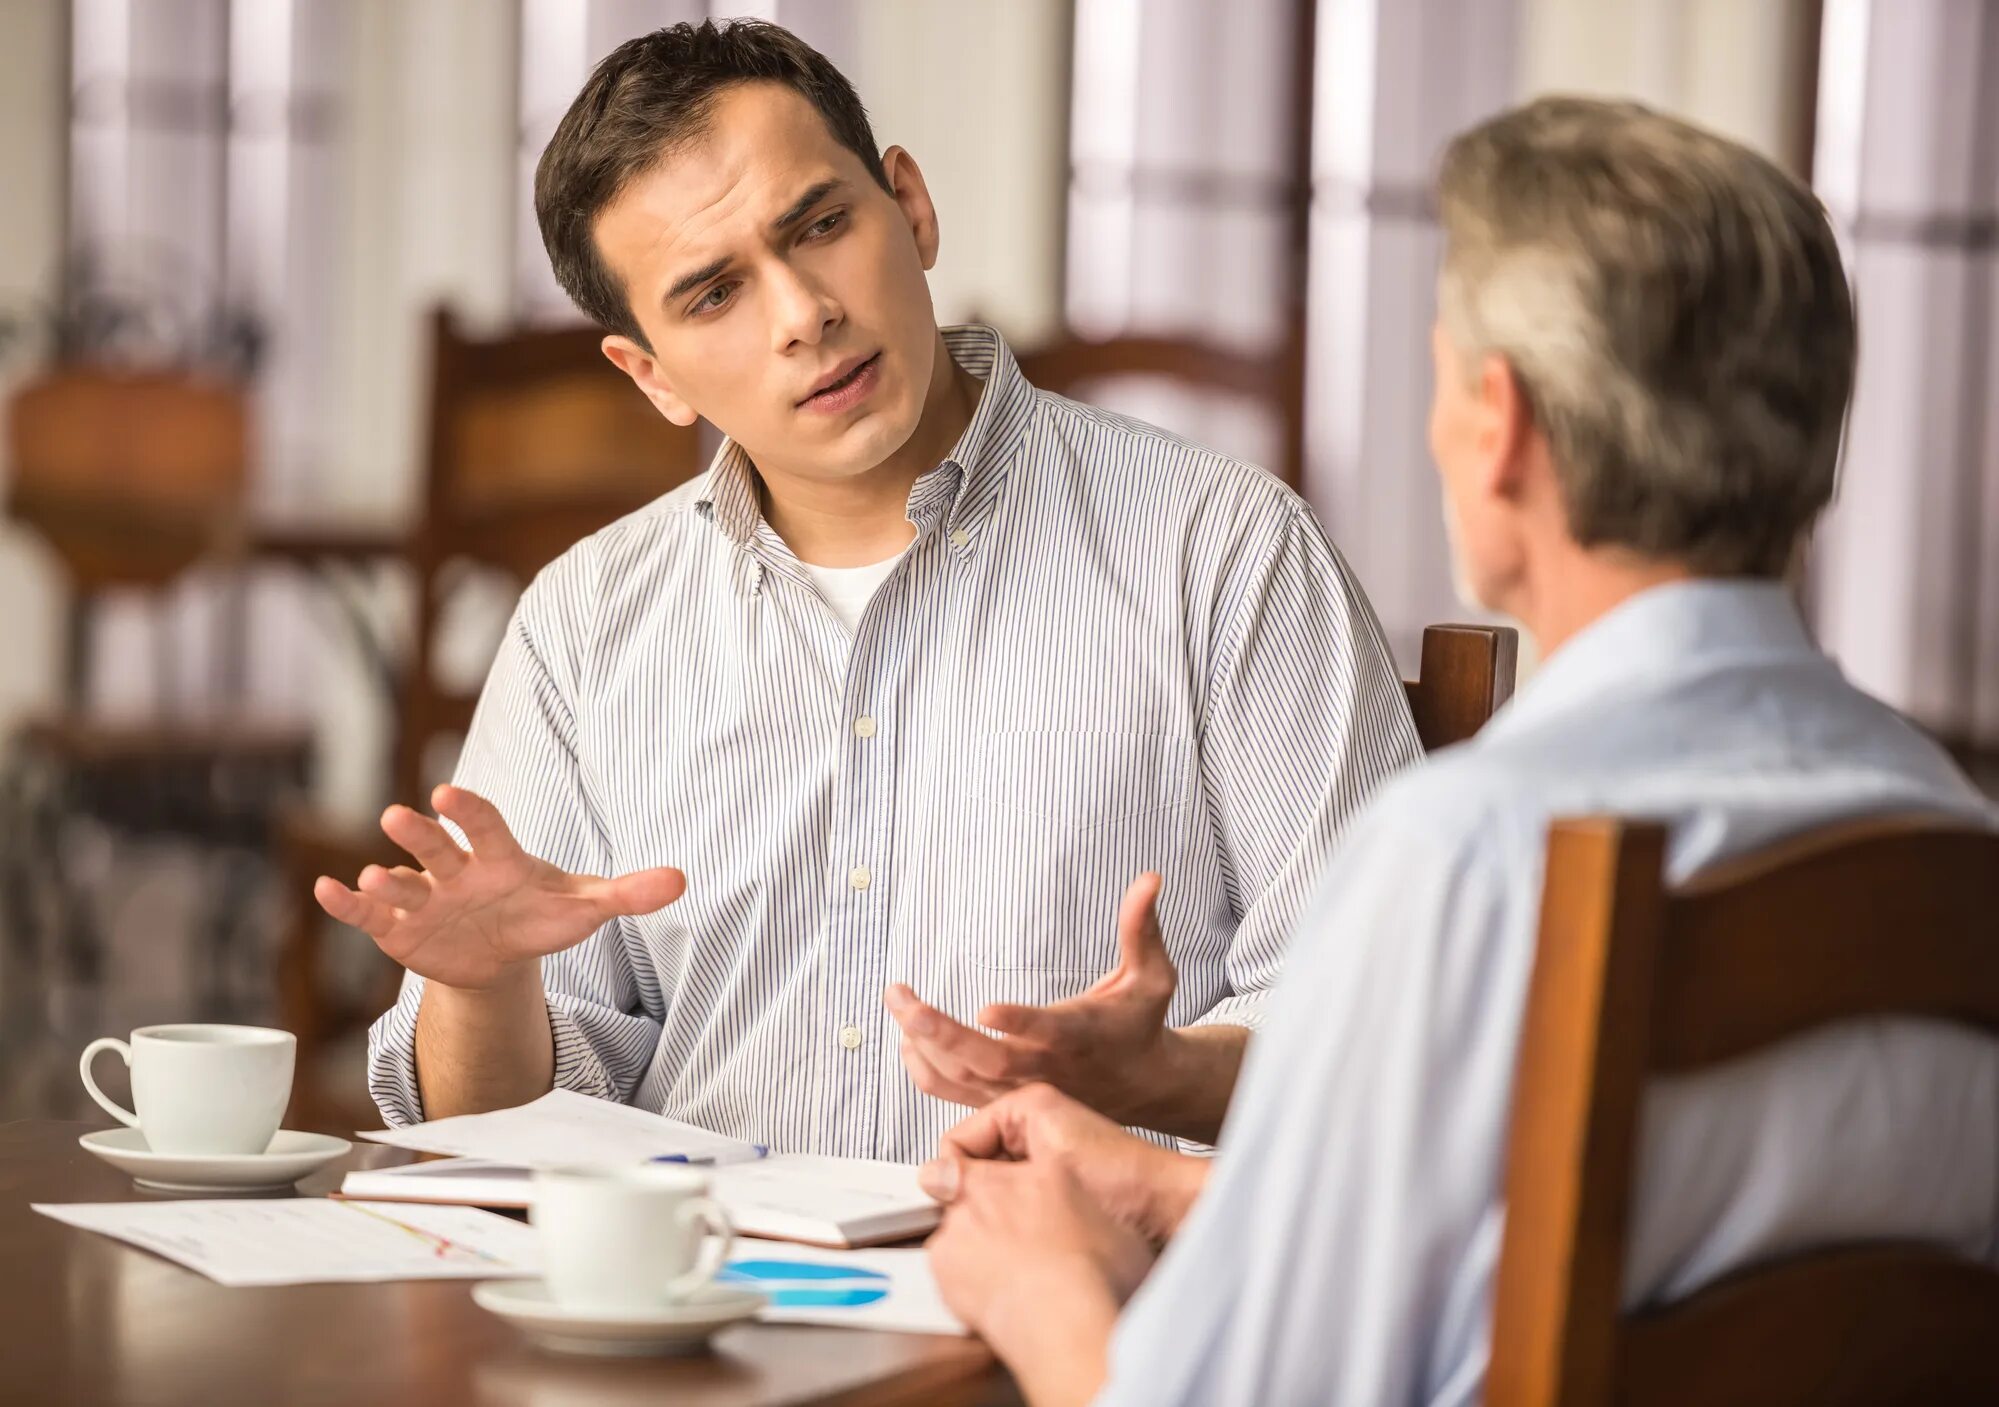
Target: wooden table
[86,1319]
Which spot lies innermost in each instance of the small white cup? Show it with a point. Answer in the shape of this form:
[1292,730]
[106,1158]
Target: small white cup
[200,1089]
[627,1240]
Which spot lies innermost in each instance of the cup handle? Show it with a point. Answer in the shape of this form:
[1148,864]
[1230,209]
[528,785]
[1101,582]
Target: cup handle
[90,1053]
[713,1251]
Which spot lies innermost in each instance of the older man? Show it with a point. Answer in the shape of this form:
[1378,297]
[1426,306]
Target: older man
[1643,359]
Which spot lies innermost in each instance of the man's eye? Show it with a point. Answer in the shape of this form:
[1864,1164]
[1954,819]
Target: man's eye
[822,227]
[714,298]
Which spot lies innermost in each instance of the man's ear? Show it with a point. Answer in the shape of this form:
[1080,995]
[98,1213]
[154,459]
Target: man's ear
[637,363]
[1505,427]
[913,197]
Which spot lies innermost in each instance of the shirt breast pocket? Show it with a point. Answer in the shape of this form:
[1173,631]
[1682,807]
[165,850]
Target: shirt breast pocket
[1083,780]
[1061,822]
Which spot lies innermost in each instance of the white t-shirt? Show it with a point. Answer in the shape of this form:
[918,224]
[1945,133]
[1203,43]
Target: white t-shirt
[849,589]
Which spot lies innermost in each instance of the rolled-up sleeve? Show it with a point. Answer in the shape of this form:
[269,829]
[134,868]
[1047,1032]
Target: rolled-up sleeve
[1306,718]
[520,754]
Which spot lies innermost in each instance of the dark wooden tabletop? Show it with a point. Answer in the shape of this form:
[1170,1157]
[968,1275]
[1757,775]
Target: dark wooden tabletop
[86,1319]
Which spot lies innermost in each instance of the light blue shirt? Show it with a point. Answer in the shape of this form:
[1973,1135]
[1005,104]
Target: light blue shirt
[1106,651]
[1345,1248]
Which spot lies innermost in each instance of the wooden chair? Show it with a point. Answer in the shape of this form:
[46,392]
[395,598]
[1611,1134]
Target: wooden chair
[132,478]
[1466,673]
[1073,366]
[534,441]
[1891,917]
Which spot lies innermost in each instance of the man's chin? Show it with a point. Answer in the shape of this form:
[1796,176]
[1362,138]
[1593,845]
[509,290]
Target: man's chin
[1467,594]
[867,442]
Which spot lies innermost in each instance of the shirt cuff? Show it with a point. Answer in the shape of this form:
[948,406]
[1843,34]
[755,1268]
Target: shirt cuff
[1244,1009]
[578,1067]
[392,1059]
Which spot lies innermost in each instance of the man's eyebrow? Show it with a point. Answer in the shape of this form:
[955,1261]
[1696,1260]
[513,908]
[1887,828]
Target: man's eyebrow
[804,203]
[687,283]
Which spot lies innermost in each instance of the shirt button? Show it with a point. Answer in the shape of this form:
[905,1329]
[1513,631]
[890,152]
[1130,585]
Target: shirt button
[864,727]
[850,1037]
[959,537]
[859,877]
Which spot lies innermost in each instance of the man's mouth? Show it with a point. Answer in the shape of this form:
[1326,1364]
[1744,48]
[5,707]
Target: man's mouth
[832,393]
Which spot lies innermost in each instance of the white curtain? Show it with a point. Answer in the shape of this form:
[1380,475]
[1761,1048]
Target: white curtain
[1394,80]
[1184,160]
[1907,575]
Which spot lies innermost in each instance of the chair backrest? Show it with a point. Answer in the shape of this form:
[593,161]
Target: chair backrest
[535,442]
[131,477]
[1890,917]
[1075,366]
[1466,673]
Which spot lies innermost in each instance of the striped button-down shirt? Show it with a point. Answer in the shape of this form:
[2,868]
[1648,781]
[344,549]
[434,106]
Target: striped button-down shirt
[1106,651]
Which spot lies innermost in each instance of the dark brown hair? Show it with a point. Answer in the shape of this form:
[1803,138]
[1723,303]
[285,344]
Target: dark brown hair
[647,99]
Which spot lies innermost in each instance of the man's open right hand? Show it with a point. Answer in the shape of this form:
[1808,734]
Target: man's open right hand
[471,919]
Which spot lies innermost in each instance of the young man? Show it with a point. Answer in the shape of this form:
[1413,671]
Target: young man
[910,686]
[1643,358]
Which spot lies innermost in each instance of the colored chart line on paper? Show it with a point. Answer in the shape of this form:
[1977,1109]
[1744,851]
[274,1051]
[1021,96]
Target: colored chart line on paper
[807,1283]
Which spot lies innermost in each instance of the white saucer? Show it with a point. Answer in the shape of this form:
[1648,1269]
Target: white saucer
[680,1328]
[290,1157]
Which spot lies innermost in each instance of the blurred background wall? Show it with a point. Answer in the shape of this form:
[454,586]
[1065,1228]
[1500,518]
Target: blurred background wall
[1212,213]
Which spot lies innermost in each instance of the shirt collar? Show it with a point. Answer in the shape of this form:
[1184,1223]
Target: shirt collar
[958,494]
[1669,632]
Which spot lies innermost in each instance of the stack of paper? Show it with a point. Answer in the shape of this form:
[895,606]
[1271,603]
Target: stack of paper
[836,1202]
[564,1129]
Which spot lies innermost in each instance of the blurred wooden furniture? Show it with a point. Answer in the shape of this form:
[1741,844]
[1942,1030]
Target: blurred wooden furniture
[132,478]
[93,1321]
[534,441]
[1889,917]
[1467,672]
[1075,365]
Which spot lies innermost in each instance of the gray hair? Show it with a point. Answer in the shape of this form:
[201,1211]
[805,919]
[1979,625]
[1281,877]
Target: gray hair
[1674,309]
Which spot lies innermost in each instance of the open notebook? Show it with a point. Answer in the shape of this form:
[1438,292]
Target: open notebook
[833,1202]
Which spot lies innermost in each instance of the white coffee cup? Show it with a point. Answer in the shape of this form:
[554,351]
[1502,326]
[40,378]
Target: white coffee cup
[201,1089]
[624,1240]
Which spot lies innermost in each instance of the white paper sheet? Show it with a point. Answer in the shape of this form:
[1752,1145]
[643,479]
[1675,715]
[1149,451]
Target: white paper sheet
[825,1199]
[566,1129]
[889,1290]
[311,1240]
[826,1189]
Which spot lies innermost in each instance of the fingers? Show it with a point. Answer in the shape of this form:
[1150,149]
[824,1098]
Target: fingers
[1141,946]
[925,1076]
[956,1050]
[361,911]
[425,839]
[940,1178]
[1033,1023]
[972,1181]
[1032,1121]
[401,887]
[479,819]
[980,1135]
[640,892]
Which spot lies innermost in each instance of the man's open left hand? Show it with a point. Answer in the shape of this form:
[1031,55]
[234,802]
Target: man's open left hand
[1109,1047]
